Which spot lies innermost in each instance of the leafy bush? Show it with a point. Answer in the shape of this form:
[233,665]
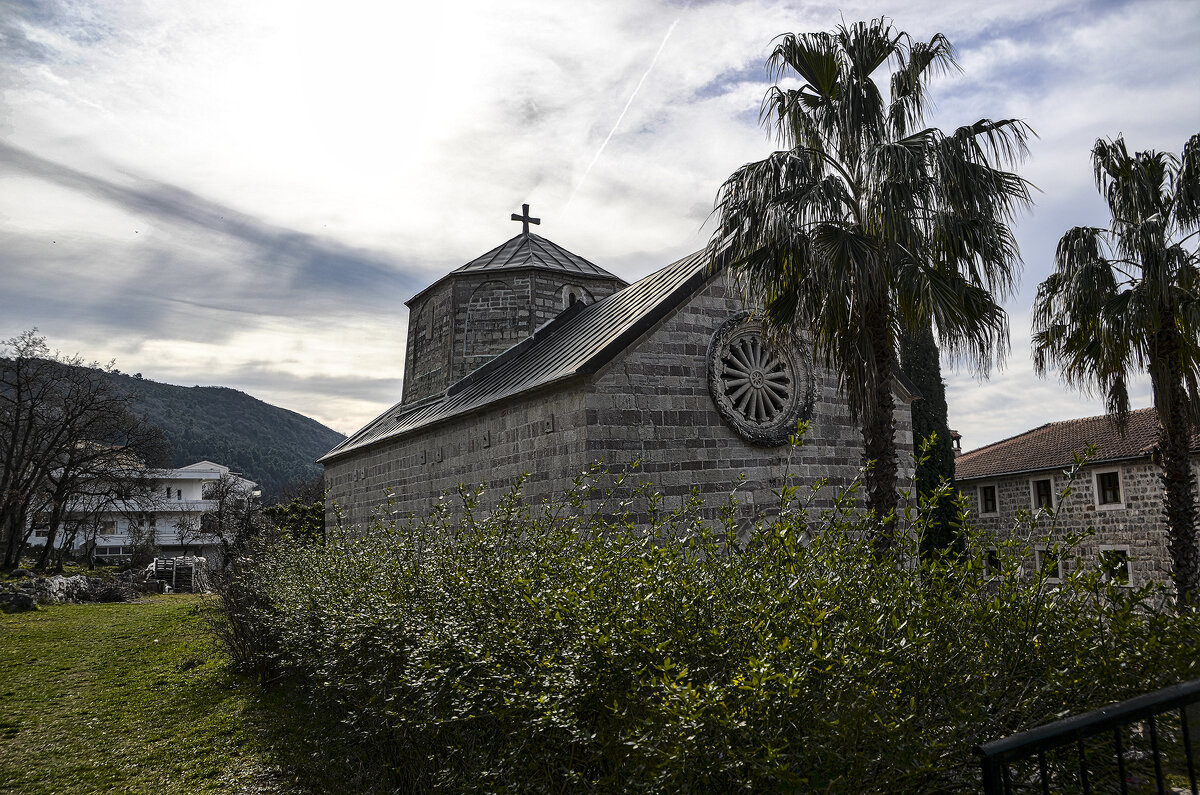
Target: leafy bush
[551,648]
[241,621]
[298,518]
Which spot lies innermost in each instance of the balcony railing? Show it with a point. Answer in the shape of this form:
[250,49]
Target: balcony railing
[162,505]
[1109,749]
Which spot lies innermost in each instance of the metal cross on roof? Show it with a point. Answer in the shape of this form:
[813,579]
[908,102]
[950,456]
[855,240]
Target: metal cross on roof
[526,219]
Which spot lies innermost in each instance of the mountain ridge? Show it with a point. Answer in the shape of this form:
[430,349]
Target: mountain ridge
[271,445]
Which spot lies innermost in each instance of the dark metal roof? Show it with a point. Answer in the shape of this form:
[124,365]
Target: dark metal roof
[527,251]
[533,251]
[1054,445]
[577,342]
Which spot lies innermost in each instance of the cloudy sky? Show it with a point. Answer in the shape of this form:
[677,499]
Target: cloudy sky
[245,193]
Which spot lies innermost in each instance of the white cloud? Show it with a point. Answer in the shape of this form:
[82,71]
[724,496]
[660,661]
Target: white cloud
[392,141]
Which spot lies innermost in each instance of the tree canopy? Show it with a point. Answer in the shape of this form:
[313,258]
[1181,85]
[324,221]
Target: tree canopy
[71,443]
[869,222]
[1125,300]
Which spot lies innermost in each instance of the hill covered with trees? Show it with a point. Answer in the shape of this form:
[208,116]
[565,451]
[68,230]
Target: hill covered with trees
[273,446]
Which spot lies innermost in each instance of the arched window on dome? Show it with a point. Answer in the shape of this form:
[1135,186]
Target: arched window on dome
[573,294]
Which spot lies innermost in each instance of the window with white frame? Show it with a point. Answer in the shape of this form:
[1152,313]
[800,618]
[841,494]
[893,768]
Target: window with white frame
[987,500]
[1115,566]
[1048,563]
[1041,493]
[1108,490]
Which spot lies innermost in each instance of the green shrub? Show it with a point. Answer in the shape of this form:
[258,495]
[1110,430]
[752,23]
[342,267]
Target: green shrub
[560,648]
[298,519]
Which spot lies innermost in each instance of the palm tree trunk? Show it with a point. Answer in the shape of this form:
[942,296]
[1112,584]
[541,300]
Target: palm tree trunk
[1174,441]
[879,429]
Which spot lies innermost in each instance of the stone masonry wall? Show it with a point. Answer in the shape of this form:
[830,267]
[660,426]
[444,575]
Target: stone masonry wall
[491,323]
[426,349]
[541,434]
[652,403]
[549,297]
[1135,524]
[495,310]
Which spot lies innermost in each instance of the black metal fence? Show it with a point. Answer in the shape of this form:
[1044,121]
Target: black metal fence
[1135,746]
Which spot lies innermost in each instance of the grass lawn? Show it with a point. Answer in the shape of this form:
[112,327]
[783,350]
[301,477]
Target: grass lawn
[137,698]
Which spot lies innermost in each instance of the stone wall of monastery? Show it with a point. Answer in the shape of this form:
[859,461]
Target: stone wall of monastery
[551,293]
[1136,524]
[652,404]
[493,315]
[541,434]
[426,349]
[493,310]
[496,310]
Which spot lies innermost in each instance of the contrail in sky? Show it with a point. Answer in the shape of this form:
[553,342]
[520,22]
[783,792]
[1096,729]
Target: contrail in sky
[608,137]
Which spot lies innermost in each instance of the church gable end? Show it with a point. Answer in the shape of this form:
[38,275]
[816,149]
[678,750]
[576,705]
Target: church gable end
[654,404]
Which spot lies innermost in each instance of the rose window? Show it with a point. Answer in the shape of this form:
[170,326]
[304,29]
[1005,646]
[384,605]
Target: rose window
[755,380]
[760,388]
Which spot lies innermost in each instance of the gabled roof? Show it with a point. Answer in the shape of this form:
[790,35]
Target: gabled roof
[577,342]
[1053,446]
[205,466]
[527,251]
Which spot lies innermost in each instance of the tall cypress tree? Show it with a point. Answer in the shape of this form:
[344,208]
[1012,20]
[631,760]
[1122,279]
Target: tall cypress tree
[920,361]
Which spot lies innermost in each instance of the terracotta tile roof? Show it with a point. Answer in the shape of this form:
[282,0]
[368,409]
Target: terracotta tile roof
[1053,445]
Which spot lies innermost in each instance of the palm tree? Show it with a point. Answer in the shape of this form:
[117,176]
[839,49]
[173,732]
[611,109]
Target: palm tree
[1126,300]
[870,223]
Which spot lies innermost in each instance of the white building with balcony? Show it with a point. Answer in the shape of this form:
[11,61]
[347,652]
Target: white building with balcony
[173,513]
[181,497]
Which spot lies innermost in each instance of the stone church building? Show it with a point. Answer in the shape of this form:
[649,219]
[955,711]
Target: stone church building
[532,360]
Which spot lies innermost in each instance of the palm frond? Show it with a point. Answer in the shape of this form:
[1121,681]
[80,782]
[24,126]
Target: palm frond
[1187,187]
[866,46]
[1124,300]
[909,101]
[812,56]
[870,221]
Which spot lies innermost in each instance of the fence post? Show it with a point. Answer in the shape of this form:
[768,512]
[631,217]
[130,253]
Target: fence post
[993,775]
